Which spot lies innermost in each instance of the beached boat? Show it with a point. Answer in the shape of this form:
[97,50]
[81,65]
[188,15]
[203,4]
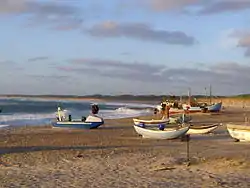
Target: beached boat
[155,133]
[203,129]
[240,132]
[191,109]
[209,108]
[214,107]
[91,122]
[152,122]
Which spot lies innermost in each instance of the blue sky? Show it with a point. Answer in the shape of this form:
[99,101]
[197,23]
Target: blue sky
[124,47]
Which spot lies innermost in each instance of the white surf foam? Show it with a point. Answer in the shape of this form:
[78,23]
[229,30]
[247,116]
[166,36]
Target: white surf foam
[130,104]
[43,118]
[123,112]
[14,117]
[3,126]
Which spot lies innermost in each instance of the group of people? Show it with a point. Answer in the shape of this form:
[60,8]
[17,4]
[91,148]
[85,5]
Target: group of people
[164,109]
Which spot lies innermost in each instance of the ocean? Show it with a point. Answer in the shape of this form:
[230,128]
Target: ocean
[37,111]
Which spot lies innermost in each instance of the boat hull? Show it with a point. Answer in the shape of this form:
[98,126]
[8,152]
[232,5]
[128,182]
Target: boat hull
[202,129]
[166,134]
[215,107]
[77,124]
[239,132]
[191,109]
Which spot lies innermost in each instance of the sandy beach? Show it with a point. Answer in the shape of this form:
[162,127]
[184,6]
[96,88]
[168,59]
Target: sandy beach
[115,156]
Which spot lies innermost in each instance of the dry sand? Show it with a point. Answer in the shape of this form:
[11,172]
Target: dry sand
[115,156]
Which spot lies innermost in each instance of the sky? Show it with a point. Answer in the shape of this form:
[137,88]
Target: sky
[114,47]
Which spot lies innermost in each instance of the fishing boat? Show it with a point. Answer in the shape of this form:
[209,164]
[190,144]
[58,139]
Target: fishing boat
[152,122]
[191,109]
[214,107]
[240,132]
[91,122]
[155,133]
[202,129]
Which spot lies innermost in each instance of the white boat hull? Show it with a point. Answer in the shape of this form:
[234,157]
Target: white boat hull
[202,130]
[158,134]
[240,133]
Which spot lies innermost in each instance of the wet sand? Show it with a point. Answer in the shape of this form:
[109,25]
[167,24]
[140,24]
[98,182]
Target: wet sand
[115,156]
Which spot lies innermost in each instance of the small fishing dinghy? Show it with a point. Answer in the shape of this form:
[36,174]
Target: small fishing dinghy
[91,122]
[240,132]
[153,122]
[161,132]
[202,129]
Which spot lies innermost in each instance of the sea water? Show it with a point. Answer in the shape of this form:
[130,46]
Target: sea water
[37,111]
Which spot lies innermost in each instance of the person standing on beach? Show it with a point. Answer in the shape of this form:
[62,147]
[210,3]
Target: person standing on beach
[163,108]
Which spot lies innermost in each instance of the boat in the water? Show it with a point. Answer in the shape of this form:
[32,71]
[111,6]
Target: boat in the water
[152,122]
[240,132]
[202,129]
[91,122]
[164,133]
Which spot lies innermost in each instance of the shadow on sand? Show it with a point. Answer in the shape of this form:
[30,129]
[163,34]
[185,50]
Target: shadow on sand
[23,149]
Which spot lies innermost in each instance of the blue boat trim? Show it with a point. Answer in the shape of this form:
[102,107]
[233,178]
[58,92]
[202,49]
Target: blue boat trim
[215,108]
[77,124]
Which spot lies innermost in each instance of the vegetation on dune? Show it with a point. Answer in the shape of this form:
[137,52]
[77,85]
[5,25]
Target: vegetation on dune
[131,97]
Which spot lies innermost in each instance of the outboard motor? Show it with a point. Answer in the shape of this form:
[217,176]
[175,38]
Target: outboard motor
[95,109]
[83,118]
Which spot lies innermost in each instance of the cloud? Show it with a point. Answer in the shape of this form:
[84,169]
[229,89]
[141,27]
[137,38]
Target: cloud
[41,58]
[47,77]
[62,15]
[226,77]
[243,38]
[163,5]
[7,66]
[225,6]
[6,62]
[125,53]
[140,31]
[110,68]
[201,7]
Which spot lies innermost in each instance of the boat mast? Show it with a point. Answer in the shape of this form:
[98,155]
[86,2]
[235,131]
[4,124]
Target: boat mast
[189,96]
[210,93]
[206,94]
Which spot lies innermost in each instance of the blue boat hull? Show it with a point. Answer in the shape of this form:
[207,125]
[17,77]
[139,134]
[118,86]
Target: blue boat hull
[77,124]
[215,108]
